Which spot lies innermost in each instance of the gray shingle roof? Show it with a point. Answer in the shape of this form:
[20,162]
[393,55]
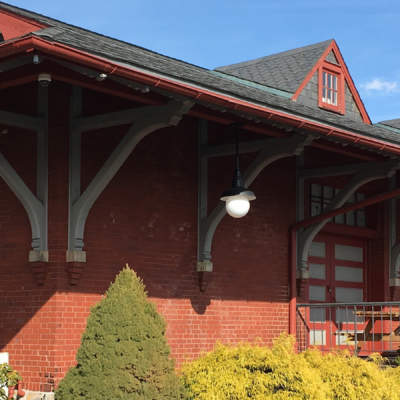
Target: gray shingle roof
[119,51]
[394,123]
[285,71]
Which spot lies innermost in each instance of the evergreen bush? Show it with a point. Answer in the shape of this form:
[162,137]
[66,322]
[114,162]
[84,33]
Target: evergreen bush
[253,372]
[123,353]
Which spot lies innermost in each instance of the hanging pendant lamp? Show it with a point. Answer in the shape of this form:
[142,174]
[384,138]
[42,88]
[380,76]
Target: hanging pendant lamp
[237,198]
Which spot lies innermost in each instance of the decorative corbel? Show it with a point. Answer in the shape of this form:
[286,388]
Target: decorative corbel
[34,205]
[367,172]
[269,150]
[143,120]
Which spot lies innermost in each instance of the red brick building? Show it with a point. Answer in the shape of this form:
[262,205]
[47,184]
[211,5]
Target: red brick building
[112,154]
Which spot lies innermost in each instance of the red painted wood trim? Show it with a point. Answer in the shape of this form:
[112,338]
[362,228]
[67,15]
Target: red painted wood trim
[312,72]
[292,282]
[386,254]
[345,209]
[346,230]
[40,25]
[350,82]
[59,50]
[341,95]
[345,151]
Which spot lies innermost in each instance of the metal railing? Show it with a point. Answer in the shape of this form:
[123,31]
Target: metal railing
[361,328]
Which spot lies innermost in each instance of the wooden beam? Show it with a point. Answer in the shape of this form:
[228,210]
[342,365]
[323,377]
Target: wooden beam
[21,121]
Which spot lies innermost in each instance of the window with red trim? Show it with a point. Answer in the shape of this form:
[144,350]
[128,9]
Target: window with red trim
[331,88]
[320,197]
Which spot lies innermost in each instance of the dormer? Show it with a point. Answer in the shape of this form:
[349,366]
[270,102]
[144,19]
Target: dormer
[331,80]
[314,75]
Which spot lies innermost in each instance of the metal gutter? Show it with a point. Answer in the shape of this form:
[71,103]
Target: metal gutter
[31,43]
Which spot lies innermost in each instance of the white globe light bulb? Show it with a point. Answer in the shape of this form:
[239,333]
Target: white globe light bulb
[237,207]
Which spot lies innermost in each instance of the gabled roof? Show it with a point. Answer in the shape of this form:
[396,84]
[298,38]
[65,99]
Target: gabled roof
[284,71]
[119,53]
[393,123]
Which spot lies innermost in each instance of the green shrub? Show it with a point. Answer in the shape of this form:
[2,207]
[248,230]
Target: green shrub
[124,353]
[255,372]
[8,377]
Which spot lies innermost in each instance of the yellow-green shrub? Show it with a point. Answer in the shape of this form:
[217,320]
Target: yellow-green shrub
[278,373]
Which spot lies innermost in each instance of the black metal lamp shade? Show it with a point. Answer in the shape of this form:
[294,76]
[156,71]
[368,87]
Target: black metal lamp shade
[237,191]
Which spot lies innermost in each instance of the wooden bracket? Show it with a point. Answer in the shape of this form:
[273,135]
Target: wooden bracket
[269,150]
[34,205]
[144,120]
[366,173]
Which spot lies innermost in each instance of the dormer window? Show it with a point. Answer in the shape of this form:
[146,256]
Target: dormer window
[331,88]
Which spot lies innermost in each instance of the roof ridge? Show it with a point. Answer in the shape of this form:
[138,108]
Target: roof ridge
[48,20]
[275,55]
[389,120]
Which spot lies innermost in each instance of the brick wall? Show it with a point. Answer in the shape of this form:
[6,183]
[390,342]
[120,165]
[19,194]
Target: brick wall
[146,217]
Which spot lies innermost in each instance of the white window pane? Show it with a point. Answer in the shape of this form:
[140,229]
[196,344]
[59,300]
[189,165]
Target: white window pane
[348,295]
[348,253]
[334,98]
[324,95]
[347,314]
[361,221]
[315,209]
[317,249]
[348,274]
[317,337]
[328,192]
[334,82]
[317,271]
[329,81]
[324,79]
[316,190]
[317,314]
[317,293]
[350,218]
[346,337]
[342,338]
[339,219]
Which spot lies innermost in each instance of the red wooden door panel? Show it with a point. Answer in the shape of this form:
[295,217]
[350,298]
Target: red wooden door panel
[337,275]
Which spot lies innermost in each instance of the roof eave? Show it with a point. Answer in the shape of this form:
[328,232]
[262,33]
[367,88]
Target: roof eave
[31,42]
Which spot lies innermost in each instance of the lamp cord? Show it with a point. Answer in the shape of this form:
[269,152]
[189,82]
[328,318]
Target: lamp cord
[237,178]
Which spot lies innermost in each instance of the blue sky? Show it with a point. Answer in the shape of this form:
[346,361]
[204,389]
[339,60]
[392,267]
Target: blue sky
[212,33]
